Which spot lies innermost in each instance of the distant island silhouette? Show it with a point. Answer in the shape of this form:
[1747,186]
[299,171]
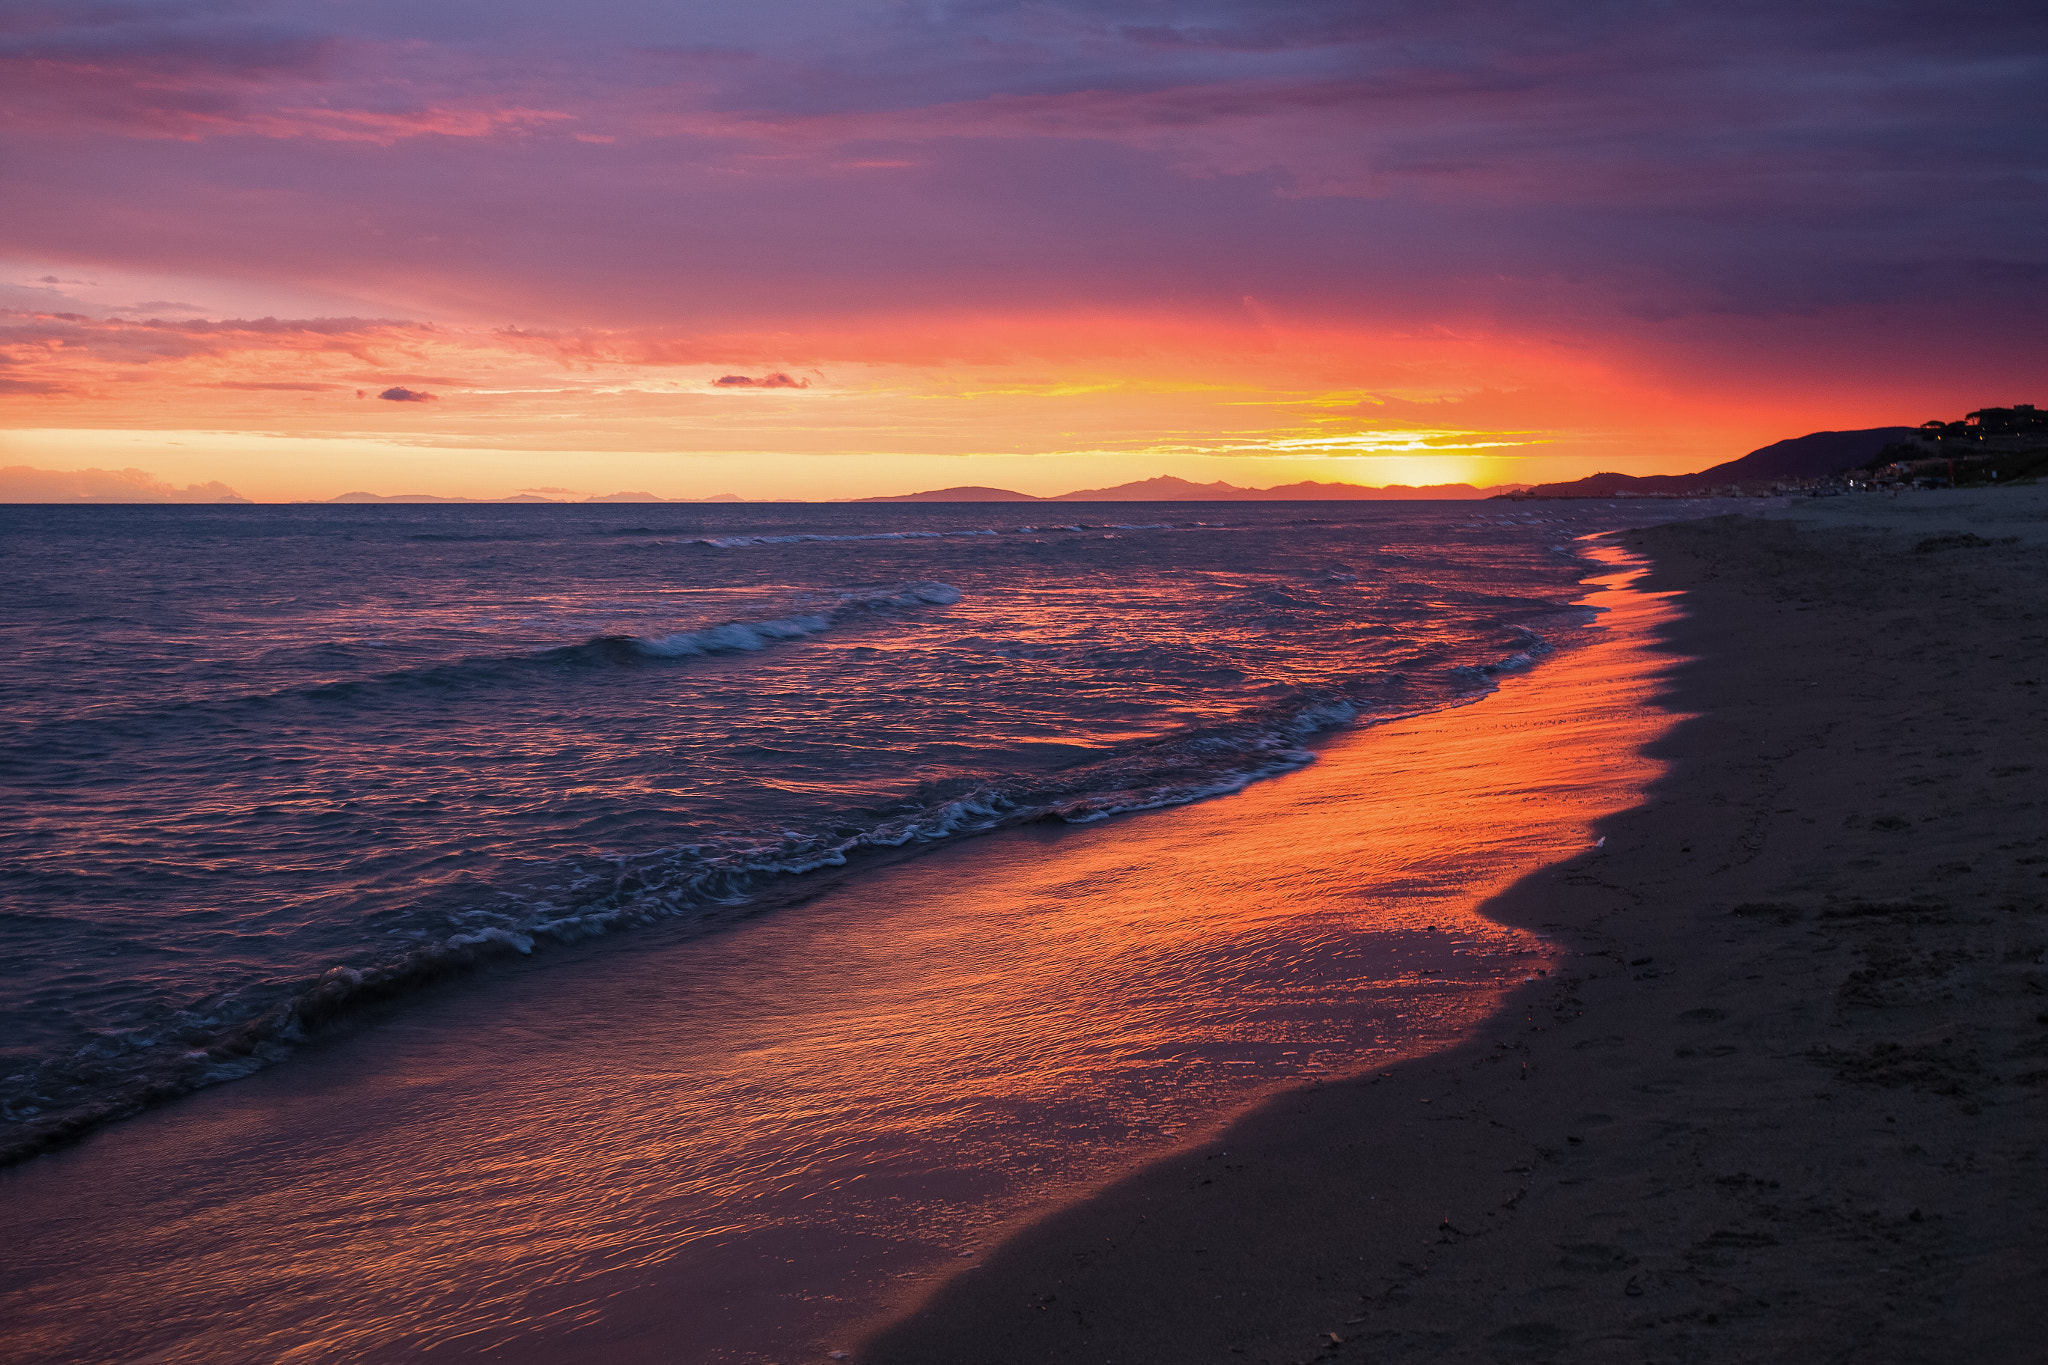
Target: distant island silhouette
[1167,488]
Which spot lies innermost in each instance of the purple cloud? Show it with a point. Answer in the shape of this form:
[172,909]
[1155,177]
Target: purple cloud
[777,380]
[398,395]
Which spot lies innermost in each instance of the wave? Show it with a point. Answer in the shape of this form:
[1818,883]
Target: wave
[740,542]
[727,637]
[1534,647]
[120,1072]
[733,636]
[735,542]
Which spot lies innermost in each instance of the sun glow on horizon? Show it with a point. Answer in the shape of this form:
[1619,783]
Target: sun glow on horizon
[592,249]
[1043,403]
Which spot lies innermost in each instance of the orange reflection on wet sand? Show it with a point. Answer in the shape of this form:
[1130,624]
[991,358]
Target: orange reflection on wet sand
[738,1145]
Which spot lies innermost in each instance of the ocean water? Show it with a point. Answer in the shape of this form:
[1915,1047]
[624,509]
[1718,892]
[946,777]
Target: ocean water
[268,763]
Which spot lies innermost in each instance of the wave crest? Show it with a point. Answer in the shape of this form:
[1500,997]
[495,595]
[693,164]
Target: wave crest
[734,636]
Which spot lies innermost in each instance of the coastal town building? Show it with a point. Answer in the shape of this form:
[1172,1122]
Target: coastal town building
[2019,427]
[1990,445]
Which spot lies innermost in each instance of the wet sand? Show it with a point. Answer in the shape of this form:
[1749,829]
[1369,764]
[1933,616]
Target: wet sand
[1785,1101]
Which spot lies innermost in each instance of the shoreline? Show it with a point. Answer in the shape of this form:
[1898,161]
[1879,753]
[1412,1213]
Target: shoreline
[539,1138]
[1782,1103]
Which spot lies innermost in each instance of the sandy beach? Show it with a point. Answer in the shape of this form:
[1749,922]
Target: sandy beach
[1782,1103]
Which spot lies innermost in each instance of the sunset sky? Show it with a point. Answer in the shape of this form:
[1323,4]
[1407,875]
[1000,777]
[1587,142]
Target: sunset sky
[470,247]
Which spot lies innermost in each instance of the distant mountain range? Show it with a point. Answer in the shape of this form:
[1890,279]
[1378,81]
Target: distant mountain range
[1166,488]
[1813,456]
[1803,457]
[1163,489]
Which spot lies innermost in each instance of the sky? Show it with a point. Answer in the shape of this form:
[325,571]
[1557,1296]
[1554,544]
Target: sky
[812,249]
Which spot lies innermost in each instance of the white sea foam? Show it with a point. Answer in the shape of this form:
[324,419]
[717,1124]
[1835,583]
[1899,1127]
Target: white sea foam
[734,636]
[742,542]
[699,879]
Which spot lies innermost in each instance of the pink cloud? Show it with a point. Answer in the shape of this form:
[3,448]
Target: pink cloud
[23,483]
[382,127]
[58,353]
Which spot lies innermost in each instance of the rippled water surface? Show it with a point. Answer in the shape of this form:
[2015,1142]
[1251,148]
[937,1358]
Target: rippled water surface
[267,759]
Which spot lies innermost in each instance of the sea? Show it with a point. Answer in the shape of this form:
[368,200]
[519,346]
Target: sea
[265,765]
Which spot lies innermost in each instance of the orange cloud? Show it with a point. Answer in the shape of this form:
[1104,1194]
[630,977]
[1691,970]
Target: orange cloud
[83,358]
[24,483]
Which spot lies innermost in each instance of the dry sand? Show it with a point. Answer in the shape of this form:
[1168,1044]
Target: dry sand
[1785,1102]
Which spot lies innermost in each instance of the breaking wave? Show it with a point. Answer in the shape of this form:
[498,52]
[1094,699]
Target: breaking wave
[735,542]
[734,636]
[728,637]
